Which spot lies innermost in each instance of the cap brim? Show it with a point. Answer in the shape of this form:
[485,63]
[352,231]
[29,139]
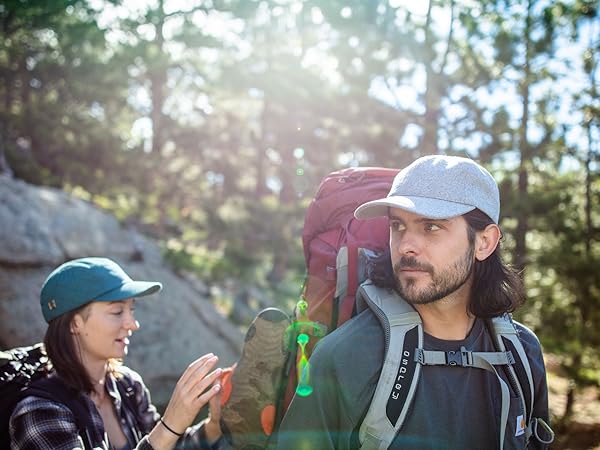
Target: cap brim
[130,289]
[427,207]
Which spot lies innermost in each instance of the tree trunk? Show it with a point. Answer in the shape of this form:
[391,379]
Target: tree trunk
[4,166]
[568,412]
[520,259]
[260,145]
[158,79]
[585,298]
[279,268]
[432,98]
[433,94]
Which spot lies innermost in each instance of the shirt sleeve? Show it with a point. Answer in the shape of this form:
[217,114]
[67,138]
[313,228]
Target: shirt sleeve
[40,424]
[195,437]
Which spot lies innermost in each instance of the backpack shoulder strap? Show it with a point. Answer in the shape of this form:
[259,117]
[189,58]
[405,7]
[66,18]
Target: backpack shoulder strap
[400,373]
[18,368]
[51,388]
[506,338]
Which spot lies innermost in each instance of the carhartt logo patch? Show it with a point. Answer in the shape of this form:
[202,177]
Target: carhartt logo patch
[520,428]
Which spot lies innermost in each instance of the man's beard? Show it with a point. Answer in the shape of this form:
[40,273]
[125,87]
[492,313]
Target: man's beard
[442,284]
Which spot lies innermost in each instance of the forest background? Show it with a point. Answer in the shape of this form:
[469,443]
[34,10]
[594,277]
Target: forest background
[208,124]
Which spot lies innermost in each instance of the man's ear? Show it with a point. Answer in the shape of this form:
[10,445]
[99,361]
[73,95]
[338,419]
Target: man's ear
[486,241]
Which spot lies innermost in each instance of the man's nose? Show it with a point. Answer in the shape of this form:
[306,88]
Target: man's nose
[408,243]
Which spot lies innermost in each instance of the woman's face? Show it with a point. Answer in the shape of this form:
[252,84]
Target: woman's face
[102,329]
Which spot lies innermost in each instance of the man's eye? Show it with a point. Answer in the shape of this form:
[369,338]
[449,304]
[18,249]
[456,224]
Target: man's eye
[432,227]
[397,226]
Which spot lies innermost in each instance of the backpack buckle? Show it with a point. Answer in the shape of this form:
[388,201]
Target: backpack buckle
[460,357]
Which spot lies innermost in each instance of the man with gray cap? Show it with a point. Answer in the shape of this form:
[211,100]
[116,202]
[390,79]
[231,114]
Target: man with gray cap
[444,261]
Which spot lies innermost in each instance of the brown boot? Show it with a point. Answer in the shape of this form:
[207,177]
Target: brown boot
[249,413]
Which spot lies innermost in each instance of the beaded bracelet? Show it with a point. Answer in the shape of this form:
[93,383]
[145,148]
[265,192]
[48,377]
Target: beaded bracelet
[169,428]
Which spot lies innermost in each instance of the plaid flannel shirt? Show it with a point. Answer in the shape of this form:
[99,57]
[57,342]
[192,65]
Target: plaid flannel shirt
[41,424]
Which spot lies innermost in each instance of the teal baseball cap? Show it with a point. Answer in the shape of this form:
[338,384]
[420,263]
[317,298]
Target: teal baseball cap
[84,280]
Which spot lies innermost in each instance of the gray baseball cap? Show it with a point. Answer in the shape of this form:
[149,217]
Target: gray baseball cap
[439,187]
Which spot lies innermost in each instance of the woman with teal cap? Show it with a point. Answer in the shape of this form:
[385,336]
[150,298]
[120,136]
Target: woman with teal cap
[89,305]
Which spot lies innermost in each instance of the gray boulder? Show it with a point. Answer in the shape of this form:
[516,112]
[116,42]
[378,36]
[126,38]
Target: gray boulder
[43,227]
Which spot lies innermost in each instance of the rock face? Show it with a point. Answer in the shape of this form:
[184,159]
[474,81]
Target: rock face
[41,228]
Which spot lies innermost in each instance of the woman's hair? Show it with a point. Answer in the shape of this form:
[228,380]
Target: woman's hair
[497,288]
[64,352]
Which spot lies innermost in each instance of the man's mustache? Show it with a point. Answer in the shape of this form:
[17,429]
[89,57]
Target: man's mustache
[411,263]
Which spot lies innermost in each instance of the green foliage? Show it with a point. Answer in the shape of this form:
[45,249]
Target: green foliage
[565,272]
[207,265]
[61,103]
[210,126]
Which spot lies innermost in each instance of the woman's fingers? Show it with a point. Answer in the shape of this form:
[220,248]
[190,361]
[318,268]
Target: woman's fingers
[212,426]
[194,389]
[206,396]
[206,385]
[200,378]
[214,403]
[204,363]
[195,373]
[194,384]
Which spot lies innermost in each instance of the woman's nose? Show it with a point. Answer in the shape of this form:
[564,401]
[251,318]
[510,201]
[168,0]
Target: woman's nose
[130,323]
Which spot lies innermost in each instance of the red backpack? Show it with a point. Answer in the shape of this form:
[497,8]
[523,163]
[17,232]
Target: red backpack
[331,238]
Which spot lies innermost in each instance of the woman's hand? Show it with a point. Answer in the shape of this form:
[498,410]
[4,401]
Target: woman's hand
[212,426]
[196,387]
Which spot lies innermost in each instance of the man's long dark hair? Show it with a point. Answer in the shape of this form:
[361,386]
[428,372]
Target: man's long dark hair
[497,288]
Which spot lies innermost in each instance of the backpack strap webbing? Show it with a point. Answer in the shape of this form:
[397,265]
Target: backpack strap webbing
[480,360]
[403,332]
[505,337]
